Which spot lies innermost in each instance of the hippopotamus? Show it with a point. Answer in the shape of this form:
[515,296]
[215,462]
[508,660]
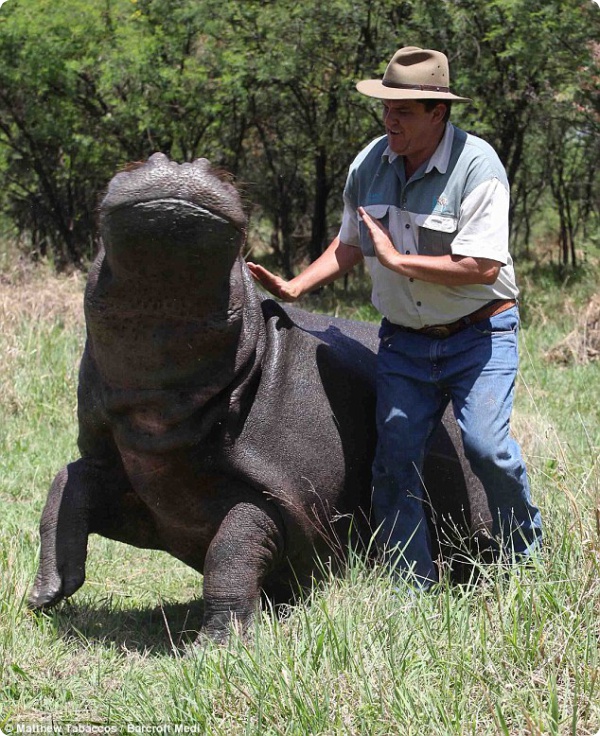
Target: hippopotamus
[216,424]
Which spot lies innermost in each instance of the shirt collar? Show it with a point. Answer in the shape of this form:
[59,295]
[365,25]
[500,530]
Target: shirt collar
[440,157]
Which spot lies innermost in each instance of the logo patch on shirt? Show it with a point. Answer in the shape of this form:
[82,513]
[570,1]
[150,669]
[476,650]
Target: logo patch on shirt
[440,204]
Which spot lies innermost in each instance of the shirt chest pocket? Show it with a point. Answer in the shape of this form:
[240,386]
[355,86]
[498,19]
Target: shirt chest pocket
[436,233]
[379,212]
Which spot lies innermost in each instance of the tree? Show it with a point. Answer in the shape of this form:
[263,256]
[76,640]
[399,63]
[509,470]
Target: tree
[47,139]
[298,63]
[86,88]
[521,61]
[265,88]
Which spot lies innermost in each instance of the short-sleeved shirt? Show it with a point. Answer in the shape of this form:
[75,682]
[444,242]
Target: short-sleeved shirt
[456,203]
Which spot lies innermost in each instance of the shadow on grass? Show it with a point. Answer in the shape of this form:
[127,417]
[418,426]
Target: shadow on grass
[156,631]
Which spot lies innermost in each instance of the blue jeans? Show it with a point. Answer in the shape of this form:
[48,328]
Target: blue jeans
[416,377]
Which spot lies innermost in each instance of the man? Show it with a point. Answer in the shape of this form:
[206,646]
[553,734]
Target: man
[426,206]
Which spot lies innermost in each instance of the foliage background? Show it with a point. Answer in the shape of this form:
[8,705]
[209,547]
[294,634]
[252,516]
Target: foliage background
[265,89]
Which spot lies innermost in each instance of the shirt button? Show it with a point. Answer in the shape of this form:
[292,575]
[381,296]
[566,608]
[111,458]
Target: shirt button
[407,252]
[411,280]
[407,226]
[418,304]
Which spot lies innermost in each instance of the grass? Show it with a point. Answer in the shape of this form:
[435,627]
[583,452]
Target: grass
[517,655]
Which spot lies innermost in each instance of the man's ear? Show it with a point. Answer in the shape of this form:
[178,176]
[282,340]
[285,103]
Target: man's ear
[439,111]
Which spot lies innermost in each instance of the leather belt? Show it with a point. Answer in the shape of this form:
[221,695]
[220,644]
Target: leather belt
[440,332]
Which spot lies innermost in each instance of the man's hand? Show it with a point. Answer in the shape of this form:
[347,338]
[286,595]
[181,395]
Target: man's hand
[279,287]
[337,259]
[448,270]
[382,241]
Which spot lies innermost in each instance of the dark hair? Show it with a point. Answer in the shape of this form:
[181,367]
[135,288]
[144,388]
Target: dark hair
[430,104]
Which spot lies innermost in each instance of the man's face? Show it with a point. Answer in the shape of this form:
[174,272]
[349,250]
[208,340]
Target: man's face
[411,131]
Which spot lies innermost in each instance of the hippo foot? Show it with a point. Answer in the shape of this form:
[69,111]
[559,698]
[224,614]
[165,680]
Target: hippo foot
[49,590]
[43,597]
[222,620]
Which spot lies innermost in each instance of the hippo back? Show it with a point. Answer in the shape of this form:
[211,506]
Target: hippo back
[459,509]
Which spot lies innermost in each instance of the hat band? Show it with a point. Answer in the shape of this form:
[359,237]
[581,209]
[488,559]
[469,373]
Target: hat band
[422,87]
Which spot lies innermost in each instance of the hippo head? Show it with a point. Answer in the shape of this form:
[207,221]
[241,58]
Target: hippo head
[169,287]
[161,217]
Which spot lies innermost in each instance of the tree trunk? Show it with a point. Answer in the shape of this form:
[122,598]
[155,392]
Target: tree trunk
[318,234]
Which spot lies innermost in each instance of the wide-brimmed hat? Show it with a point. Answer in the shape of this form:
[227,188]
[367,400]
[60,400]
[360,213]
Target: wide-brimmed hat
[413,74]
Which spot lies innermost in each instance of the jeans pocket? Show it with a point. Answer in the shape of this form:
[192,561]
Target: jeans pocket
[505,323]
[486,328]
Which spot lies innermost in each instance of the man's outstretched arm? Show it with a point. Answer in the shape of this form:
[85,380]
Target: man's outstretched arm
[335,261]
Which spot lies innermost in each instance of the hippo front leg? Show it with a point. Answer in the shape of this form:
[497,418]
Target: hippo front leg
[64,530]
[247,546]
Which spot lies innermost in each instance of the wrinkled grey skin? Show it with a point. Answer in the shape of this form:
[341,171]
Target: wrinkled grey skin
[213,423]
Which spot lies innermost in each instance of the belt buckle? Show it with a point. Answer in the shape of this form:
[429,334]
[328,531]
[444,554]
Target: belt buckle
[439,331]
